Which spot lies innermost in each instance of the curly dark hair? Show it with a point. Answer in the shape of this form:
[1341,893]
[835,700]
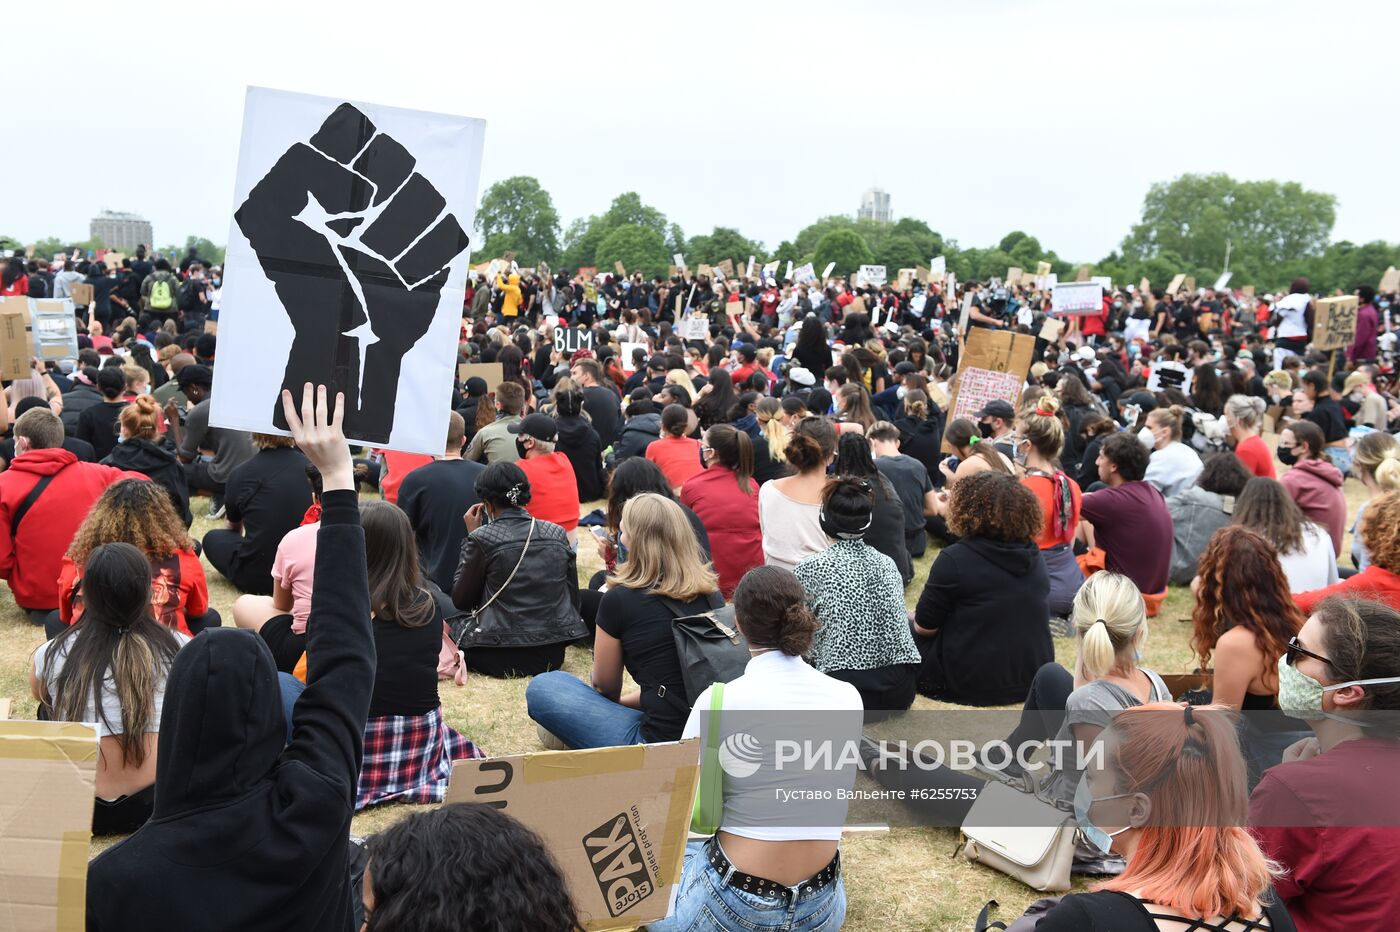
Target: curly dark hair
[994,506]
[465,867]
[1380,530]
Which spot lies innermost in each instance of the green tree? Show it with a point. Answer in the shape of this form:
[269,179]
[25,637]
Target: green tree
[1268,224]
[806,241]
[518,215]
[206,250]
[846,248]
[628,208]
[581,242]
[901,252]
[723,243]
[638,248]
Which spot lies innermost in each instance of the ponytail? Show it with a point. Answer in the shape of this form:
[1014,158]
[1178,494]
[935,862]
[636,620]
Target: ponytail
[1096,653]
[1110,616]
[734,450]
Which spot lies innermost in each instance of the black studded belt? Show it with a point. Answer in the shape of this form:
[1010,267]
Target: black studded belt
[760,886]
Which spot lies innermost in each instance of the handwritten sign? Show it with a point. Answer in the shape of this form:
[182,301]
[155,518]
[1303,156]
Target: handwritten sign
[871,275]
[977,386]
[993,367]
[727,267]
[678,260]
[1042,269]
[1335,323]
[697,327]
[1077,298]
[1170,374]
[570,340]
[804,273]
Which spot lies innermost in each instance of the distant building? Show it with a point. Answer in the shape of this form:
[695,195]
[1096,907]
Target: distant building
[121,231]
[875,205]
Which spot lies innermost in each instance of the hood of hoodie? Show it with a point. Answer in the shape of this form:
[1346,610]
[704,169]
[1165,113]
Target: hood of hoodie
[139,454]
[1015,557]
[1322,470]
[643,423]
[44,462]
[221,730]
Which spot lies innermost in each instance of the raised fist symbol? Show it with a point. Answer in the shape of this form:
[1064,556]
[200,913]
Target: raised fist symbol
[357,245]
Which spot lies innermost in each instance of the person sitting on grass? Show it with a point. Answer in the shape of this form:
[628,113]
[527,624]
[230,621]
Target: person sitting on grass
[464,867]
[111,668]
[142,449]
[245,820]
[137,512]
[1303,548]
[1127,525]
[663,578]
[1203,509]
[1380,580]
[265,499]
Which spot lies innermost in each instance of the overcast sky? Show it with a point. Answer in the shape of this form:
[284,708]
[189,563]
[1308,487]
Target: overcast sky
[980,117]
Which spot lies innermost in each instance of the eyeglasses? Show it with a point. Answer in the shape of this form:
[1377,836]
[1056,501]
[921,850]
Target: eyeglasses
[1295,650]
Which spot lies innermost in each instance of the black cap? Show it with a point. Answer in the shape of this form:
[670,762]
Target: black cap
[998,408]
[194,375]
[658,363]
[476,386]
[539,426]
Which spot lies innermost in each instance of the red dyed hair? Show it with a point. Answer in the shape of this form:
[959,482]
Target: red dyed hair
[1242,584]
[1195,856]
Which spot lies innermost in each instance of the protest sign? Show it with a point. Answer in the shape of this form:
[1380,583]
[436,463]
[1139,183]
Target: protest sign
[53,328]
[804,274]
[1077,298]
[993,366]
[620,269]
[921,275]
[697,327]
[492,373]
[588,273]
[1106,281]
[1390,281]
[727,267]
[1042,269]
[938,265]
[1052,328]
[1247,291]
[770,269]
[748,270]
[1013,276]
[1082,273]
[1222,281]
[625,351]
[590,291]
[82,294]
[615,820]
[16,345]
[348,245]
[1171,374]
[704,269]
[1145,287]
[1190,285]
[856,306]
[904,279]
[679,261]
[965,312]
[826,272]
[1176,284]
[671,271]
[1334,322]
[871,275]
[48,777]
[569,340]
[788,276]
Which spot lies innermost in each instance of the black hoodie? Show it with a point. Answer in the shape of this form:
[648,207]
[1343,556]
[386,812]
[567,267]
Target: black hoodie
[246,833]
[158,464]
[989,602]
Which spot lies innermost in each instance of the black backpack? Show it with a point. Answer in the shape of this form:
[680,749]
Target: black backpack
[39,286]
[709,645]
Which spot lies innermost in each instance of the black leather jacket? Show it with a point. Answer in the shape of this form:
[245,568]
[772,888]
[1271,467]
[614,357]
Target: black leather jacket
[540,605]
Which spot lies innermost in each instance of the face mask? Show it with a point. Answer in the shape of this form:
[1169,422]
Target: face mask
[985,428]
[1019,453]
[1286,456]
[1083,799]
[217,282]
[520,448]
[1300,696]
[1147,438]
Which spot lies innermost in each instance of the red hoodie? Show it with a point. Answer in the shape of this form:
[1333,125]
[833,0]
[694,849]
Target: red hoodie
[1316,485]
[31,563]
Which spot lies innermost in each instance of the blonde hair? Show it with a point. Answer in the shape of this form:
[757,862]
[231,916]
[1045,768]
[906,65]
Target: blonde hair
[1169,417]
[141,418]
[1245,410]
[662,555]
[1040,424]
[681,378]
[1378,455]
[134,376]
[1110,616]
[769,412]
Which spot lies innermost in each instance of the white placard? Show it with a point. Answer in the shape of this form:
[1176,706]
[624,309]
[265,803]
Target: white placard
[371,308]
[938,265]
[697,327]
[1077,298]
[1222,281]
[804,273]
[1170,374]
[871,275]
[1105,280]
[678,260]
[826,272]
[788,276]
[748,272]
[625,350]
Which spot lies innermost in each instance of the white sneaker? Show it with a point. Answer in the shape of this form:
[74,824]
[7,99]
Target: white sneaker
[549,741]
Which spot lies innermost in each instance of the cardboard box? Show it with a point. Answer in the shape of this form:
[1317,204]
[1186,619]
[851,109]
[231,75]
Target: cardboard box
[53,328]
[48,777]
[82,294]
[615,819]
[16,345]
[493,372]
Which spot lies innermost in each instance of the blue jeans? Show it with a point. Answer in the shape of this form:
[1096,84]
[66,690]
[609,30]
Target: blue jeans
[292,688]
[578,715]
[1339,457]
[705,903]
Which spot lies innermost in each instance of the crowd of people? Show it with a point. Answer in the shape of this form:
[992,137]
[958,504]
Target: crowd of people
[782,450]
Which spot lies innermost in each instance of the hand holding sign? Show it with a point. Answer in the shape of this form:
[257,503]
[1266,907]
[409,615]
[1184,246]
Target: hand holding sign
[350,201]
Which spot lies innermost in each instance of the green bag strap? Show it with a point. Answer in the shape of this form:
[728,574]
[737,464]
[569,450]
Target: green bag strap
[709,798]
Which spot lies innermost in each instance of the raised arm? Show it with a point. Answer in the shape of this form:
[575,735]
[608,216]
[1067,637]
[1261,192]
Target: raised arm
[328,724]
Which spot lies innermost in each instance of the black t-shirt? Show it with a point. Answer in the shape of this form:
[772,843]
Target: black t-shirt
[435,496]
[911,482]
[405,673]
[604,408]
[1114,911]
[1327,414]
[98,426]
[642,622]
[269,495]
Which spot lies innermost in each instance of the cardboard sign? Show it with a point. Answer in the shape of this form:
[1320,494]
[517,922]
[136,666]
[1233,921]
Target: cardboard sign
[857,306]
[1013,276]
[921,275]
[1190,285]
[1145,287]
[1077,298]
[615,820]
[1082,274]
[727,267]
[48,776]
[1222,281]
[1106,281]
[1052,328]
[569,340]
[1171,374]
[625,351]
[704,270]
[804,274]
[1334,324]
[1390,281]
[904,279]
[1042,269]
[371,309]
[16,346]
[1247,291]
[82,294]
[492,373]
[1175,286]
[53,328]
[588,272]
[871,275]
[993,366]
[620,269]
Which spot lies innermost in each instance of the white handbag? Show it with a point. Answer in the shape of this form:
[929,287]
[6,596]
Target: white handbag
[1037,847]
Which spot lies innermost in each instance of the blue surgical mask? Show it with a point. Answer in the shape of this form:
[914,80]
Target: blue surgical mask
[1083,800]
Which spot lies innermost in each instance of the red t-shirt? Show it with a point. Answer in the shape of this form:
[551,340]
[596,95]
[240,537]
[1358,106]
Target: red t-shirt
[678,457]
[396,466]
[1256,456]
[553,489]
[178,590]
[1334,823]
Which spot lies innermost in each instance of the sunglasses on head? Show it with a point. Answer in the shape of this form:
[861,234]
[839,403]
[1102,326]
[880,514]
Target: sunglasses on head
[1296,650]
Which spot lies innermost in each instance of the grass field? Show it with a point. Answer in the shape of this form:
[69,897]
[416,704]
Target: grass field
[903,879]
